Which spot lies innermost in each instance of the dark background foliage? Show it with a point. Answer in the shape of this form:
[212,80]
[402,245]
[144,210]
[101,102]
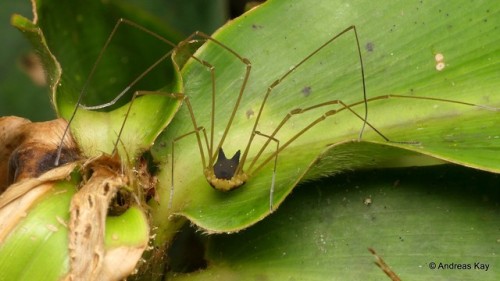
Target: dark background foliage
[20,96]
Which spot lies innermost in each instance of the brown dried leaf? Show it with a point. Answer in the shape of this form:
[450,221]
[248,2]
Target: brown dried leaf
[10,136]
[27,149]
[121,262]
[89,259]
[19,197]
[20,188]
[27,152]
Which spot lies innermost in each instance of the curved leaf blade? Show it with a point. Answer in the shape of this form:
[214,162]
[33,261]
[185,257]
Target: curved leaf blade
[75,38]
[398,60]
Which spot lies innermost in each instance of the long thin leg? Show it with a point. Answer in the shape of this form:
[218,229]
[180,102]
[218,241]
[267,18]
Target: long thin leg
[124,91]
[298,111]
[273,181]
[178,96]
[94,67]
[171,197]
[195,131]
[209,144]
[349,108]
[480,106]
[248,67]
[284,76]
[210,68]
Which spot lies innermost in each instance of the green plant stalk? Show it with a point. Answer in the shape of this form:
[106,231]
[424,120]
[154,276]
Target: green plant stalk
[49,36]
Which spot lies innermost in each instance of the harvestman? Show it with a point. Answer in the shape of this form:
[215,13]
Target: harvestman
[228,174]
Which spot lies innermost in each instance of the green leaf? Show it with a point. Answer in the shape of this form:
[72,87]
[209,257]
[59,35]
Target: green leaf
[120,233]
[399,43]
[444,214]
[43,232]
[38,246]
[75,36]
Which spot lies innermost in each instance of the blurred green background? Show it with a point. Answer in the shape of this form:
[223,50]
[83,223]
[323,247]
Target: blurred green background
[20,96]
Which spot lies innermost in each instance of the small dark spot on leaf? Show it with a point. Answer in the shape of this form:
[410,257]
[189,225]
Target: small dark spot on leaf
[88,229]
[306,91]
[106,188]
[369,46]
[256,26]
[249,113]
[91,201]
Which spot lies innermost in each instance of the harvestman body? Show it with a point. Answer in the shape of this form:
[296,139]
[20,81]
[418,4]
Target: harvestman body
[228,174]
